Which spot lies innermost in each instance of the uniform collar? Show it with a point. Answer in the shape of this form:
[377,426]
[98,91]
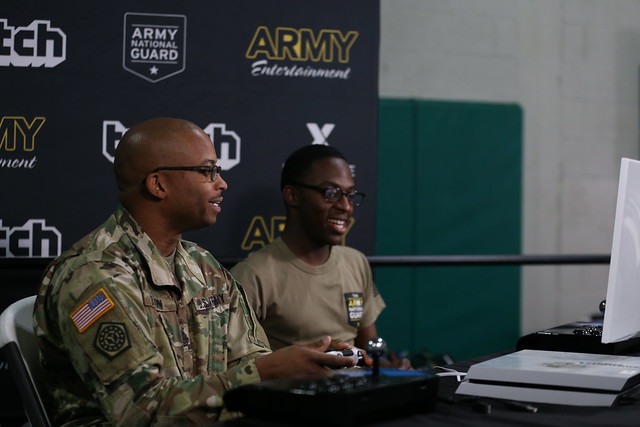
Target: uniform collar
[161,274]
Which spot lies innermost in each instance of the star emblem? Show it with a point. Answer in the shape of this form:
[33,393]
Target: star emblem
[153,70]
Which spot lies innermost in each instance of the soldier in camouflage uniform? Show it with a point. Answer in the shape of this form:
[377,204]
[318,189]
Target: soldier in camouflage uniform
[137,326]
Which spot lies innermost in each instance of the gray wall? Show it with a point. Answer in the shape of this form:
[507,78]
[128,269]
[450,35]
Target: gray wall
[572,65]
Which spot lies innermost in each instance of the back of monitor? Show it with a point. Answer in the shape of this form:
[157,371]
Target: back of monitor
[622,315]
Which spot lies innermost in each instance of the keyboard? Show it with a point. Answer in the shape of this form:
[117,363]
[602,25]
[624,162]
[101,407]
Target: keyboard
[591,329]
[346,397]
[579,337]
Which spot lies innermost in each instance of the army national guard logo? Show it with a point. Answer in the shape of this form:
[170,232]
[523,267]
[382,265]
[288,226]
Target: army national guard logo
[355,307]
[154,45]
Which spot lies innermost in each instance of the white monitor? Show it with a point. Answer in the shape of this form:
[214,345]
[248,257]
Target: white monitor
[622,312]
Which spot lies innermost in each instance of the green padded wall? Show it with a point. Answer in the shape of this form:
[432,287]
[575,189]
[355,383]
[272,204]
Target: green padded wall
[449,183]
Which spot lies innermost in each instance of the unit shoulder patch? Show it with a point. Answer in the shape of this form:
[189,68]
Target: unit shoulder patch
[112,339]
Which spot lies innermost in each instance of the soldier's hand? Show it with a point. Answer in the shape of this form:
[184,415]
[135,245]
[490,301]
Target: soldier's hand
[337,344]
[301,359]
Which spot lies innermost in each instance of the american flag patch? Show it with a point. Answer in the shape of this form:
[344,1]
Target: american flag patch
[91,310]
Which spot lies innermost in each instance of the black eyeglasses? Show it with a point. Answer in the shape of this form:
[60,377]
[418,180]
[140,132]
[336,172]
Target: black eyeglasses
[333,194]
[213,170]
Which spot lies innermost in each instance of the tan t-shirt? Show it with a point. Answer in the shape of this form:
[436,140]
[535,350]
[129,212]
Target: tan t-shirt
[298,302]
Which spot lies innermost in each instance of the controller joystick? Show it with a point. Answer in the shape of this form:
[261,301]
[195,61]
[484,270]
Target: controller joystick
[376,348]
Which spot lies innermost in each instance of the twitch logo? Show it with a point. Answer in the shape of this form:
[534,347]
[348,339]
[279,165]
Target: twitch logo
[33,240]
[36,45]
[226,142]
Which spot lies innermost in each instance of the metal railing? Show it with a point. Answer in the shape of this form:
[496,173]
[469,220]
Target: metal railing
[439,260]
[393,260]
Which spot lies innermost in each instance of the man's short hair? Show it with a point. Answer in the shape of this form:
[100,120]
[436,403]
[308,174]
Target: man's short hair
[300,161]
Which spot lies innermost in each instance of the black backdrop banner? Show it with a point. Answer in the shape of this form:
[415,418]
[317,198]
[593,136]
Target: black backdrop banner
[262,78]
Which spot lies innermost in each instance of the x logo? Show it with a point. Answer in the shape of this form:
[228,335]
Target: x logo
[319,134]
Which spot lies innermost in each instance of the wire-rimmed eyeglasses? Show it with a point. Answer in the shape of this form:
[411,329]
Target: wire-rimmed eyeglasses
[213,170]
[333,194]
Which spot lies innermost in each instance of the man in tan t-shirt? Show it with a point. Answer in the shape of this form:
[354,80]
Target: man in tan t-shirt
[304,284]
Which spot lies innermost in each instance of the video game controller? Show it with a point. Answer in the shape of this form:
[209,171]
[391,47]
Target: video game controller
[354,353]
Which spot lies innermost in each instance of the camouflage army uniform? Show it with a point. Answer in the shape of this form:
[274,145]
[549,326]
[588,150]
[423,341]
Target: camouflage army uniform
[127,340]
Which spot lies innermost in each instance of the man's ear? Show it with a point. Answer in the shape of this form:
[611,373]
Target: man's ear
[290,195]
[153,184]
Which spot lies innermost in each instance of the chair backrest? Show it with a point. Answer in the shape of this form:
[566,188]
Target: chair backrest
[18,341]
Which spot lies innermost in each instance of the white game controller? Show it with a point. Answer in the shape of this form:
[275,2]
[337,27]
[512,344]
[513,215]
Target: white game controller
[354,353]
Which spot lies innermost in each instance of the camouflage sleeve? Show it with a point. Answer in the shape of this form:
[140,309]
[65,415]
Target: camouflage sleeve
[117,354]
[247,341]
[244,328]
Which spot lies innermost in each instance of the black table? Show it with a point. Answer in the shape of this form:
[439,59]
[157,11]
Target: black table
[460,410]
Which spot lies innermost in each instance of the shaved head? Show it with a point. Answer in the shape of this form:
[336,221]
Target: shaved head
[149,145]
[165,169]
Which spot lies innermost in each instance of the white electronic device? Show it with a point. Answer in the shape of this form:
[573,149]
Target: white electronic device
[619,332]
[578,379]
[622,316]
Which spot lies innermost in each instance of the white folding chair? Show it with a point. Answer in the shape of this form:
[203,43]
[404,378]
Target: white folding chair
[18,341]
